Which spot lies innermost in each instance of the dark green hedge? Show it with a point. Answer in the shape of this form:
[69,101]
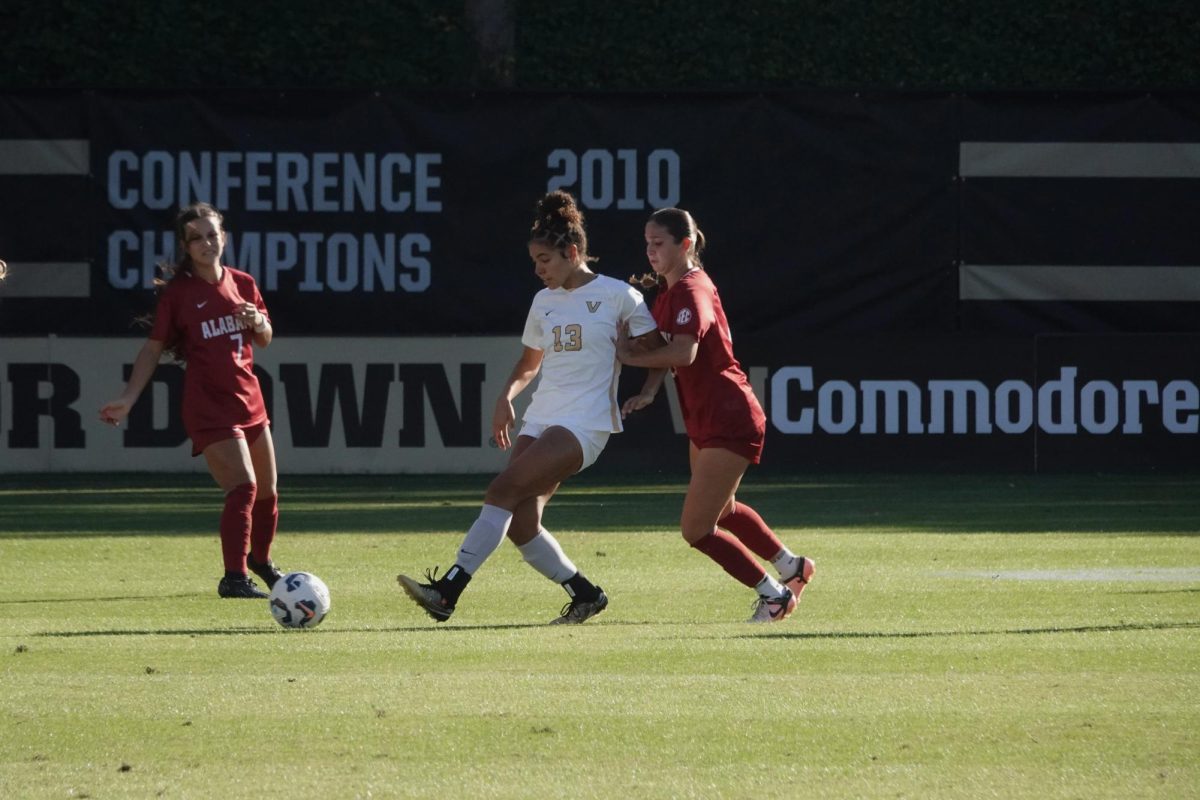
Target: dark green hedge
[605,44]
[252,43]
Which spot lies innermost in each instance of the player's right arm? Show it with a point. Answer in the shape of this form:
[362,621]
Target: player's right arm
[654,375]
[523,373]
[143,367]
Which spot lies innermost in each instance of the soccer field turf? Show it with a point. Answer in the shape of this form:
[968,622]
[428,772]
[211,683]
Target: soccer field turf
[965,636]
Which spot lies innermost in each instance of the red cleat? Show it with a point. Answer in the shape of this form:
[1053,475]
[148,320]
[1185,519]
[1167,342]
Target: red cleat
[803,575]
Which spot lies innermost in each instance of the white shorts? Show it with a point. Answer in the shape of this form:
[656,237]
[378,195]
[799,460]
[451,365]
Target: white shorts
[591,442]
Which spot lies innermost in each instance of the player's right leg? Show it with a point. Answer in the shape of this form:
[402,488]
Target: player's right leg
[229,462]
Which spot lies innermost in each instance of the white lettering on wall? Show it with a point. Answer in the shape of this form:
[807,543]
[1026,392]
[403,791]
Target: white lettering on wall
[1059,406]
[621,178]
[264,181]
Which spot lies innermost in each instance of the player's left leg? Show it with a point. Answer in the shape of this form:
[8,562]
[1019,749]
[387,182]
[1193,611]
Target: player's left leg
[542,551]
[748,525]
[264,515]
[716,474]
[536,467]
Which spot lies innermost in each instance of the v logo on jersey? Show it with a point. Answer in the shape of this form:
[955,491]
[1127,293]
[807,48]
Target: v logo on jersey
[593,305]
[202,305]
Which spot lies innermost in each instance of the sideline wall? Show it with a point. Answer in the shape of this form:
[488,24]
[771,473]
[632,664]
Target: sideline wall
[396,405]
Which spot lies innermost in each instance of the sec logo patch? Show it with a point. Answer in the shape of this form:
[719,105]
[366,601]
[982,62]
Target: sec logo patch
[683,317]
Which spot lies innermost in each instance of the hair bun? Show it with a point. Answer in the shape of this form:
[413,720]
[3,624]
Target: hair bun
[559,205]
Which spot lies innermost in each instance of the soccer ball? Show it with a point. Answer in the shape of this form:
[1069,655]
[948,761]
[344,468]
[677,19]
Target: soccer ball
[299,600]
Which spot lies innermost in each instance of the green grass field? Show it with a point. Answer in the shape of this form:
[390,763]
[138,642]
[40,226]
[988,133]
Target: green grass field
[966,636]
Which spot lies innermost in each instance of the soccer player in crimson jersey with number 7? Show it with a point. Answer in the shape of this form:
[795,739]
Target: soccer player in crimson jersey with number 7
[725,423]
[209,316]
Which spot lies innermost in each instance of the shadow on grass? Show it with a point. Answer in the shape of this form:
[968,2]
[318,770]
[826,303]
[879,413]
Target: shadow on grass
[1123,627]
[467,629]
[93,600]
[326,631]
[1159,591]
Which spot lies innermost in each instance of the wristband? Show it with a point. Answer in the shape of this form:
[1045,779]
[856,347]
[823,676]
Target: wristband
[262,326]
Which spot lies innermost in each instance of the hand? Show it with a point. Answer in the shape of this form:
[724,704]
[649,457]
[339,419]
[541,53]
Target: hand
[249,313]
[114,412]
[636,403]
[502,420]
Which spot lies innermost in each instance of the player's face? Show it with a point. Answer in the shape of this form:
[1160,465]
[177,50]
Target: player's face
[664,253]
[553,267]
[204,240]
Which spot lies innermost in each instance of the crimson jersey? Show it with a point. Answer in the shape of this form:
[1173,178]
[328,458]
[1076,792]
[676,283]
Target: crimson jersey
[714,393]
[220,389]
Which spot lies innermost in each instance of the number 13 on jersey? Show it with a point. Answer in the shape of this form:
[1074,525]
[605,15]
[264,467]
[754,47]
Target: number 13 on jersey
[573,334]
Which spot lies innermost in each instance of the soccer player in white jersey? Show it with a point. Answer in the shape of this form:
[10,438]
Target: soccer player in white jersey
[570,337]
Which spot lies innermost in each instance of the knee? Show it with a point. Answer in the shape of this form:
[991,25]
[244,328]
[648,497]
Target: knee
[267,481]
[503,493]
[692,534]
[521,534]
[243,493]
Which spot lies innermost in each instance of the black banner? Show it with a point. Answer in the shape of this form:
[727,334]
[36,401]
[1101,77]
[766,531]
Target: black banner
[905,273]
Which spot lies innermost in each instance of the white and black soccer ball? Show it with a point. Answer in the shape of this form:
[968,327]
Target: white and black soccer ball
[299,600]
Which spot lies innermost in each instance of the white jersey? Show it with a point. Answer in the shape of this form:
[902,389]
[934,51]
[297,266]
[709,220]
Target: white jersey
[577,332]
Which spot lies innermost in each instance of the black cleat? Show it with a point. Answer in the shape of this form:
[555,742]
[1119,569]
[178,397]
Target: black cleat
[241,587]
[268,571]
[427,596]
[579,611]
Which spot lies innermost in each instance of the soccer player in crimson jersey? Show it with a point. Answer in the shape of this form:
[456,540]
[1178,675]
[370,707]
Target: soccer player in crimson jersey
[725,423]
[209,316]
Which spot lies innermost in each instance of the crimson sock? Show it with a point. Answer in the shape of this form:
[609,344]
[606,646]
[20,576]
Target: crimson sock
[264,518]
[235,527]
[745,523]
[733,557]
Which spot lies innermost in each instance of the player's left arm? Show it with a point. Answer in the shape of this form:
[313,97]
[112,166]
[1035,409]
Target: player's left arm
[254,313]
[264,332]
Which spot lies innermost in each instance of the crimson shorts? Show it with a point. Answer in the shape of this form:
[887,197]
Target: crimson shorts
[749,449]
[202,439]
[739,435]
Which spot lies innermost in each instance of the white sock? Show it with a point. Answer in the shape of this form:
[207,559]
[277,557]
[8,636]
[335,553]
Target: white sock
[483,538]
[769,587]
[785,562]
[544,554]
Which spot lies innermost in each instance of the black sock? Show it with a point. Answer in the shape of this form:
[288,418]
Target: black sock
[235,576]
[451,584]
[580,588]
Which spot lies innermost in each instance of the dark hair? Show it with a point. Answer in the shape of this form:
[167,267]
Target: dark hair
[186,216]
[558,223]
[183,263]
[681,225]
